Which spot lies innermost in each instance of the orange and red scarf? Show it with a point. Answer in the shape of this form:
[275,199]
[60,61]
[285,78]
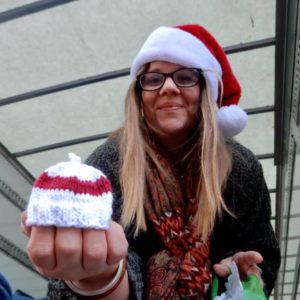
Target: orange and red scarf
[182,269]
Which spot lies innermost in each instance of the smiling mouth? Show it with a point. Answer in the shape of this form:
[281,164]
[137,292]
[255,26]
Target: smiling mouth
[170,107]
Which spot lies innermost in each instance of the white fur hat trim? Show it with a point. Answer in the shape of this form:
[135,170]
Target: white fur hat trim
[182,48]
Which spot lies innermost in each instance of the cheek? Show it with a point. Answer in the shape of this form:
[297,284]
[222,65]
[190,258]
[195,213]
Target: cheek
[148,102]
[194,102]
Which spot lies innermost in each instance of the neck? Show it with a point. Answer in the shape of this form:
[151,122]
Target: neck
[178,148]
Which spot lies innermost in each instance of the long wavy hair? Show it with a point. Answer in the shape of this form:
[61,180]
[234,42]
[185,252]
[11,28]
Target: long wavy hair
[214,159]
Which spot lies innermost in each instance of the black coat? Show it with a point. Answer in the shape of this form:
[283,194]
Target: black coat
[247,197]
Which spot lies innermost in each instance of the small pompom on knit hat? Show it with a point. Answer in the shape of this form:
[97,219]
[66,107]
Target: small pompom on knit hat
[192,46]
[71,194]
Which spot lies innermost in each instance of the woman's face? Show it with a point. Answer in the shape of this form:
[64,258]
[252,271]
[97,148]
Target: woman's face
[171,112]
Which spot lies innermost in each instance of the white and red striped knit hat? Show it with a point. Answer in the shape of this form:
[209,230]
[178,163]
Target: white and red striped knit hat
[192,46]
[71,194]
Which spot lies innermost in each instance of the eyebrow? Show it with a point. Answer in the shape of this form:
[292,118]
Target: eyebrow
[158,70]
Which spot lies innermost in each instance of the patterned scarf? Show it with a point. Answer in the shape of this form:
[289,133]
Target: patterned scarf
[182,270]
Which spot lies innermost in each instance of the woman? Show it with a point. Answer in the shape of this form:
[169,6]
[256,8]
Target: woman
[190,199]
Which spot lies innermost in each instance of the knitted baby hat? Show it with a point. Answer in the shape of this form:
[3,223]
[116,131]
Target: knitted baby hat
[192,46]
[71,194]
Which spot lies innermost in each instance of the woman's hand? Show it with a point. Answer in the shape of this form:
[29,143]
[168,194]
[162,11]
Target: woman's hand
[245,261]
[76,254]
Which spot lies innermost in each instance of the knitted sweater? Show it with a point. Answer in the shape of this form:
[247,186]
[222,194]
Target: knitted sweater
[247,197]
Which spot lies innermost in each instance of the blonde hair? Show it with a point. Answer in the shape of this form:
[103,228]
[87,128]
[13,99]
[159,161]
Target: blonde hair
[214,159]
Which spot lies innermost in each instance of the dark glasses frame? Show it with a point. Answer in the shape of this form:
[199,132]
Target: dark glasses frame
[140,77]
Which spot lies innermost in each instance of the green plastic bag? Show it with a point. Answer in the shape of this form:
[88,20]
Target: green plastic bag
[250,289]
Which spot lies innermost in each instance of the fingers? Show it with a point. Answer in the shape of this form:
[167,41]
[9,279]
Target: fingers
[68,248]
[24,228]
[101,247]
[245,261]
[248,258]
[40,247]
[94,250]
[117,244]
[222,268]
[254,269]
[75,254]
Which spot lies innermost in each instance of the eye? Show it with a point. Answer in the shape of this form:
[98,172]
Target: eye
[186,77]
[152,79]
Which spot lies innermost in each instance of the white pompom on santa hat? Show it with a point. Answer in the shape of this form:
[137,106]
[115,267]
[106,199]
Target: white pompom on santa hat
[192,46]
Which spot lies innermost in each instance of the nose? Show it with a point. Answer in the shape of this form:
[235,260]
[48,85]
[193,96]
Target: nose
[169,86]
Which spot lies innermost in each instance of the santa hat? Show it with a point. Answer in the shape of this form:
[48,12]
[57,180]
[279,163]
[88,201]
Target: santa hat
[71,194]
[194,47]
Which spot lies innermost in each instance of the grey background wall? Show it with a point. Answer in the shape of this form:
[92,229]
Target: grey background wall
[90,37]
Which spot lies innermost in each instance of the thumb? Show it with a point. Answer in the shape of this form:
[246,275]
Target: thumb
[222,270]
[24,228]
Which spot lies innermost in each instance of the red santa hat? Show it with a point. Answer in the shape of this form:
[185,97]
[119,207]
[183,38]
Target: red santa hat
[193,46]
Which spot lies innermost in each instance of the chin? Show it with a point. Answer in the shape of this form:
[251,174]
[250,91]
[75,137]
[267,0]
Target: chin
[176,127]
[175,131]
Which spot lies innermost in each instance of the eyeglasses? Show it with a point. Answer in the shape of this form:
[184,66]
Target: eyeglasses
[183,78]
